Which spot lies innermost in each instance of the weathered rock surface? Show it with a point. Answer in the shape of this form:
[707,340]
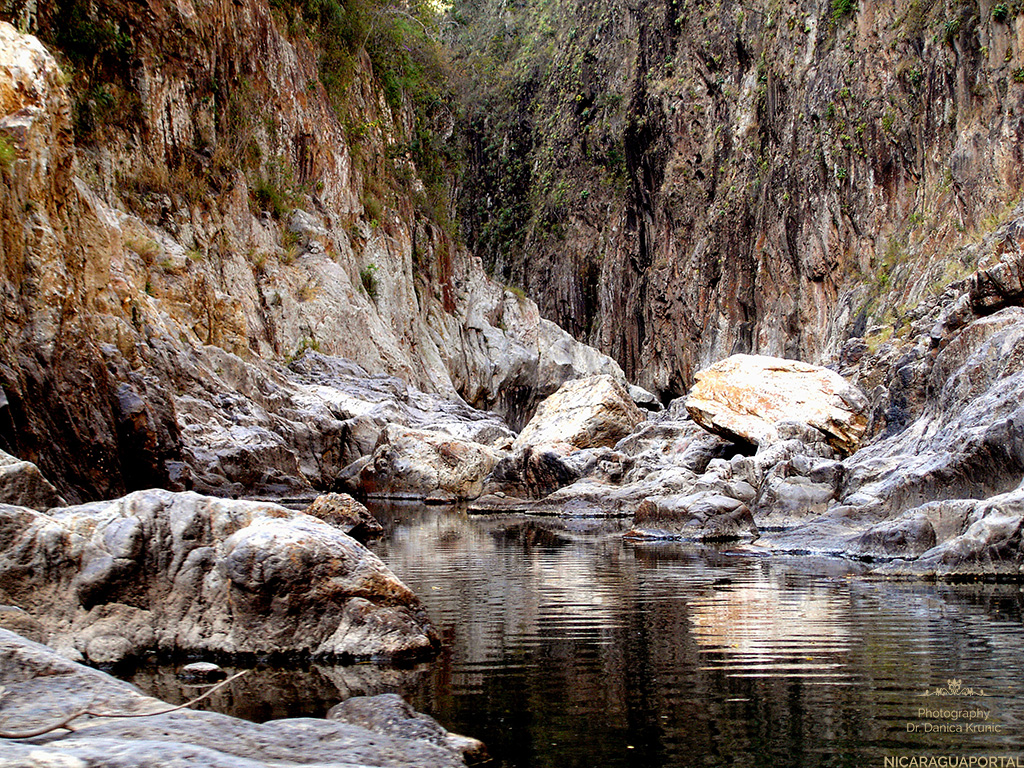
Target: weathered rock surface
[567,437]
[420,464]
[255,429]
[746,397]
[774,210]
[144,291]
[23,485]
[344,512]
[180,572]
[42,687]
[593,412]
[388,714]
[704,516]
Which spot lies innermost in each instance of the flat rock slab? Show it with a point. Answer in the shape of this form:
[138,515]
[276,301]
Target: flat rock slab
[748,397]
[180,572]
[41,687]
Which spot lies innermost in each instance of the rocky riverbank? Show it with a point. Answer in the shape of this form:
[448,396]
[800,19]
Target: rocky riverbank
[42,688]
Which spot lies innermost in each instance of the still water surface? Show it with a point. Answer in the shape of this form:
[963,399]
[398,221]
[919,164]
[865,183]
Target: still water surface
[565,646]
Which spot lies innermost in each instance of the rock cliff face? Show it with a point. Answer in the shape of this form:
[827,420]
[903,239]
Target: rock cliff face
[185,198]
[680,181]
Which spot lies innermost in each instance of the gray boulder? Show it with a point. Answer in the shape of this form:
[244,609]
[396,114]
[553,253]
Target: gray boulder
[704,516]
[421,464]
[166,571]
[23,485]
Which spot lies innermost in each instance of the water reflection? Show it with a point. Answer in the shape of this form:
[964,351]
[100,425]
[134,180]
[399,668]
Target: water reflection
[565,646]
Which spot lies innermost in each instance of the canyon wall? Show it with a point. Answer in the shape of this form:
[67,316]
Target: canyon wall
[679,180]
[194,195]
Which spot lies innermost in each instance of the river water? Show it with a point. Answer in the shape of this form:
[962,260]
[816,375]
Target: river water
[566,646]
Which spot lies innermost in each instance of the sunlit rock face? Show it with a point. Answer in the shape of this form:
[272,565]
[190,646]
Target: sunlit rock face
[180,572]
[746,397]
[146,284]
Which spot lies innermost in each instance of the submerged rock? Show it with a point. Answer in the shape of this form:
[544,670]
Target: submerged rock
[180,572]
[746,397]
[42,687]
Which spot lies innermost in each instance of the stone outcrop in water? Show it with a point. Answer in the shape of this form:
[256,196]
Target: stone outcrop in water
[344,512]
[420,464]
[180,572]
[746,397]
[42,687]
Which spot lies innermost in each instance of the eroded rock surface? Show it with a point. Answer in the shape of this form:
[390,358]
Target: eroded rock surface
[42,687]
[344,512]
[180,572]
[421,464]
[746,397]
[23,485]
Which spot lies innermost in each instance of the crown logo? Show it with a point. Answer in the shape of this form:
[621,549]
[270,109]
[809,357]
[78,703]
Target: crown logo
[955,687]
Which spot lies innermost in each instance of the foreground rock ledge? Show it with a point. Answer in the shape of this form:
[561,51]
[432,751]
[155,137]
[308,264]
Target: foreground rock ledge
[42,687]
[180,572]
[747,397]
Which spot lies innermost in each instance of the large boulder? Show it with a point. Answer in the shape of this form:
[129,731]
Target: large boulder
[593,412]
[421,464]
[747,397]
[702,516]
[23,485]
[180,572]
[43,688]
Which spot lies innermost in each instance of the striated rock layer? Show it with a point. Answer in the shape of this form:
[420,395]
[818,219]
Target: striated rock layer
[145,274]
[677,182]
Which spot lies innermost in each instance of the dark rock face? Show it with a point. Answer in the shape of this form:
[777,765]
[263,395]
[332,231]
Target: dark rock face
[43,687]
[187,573]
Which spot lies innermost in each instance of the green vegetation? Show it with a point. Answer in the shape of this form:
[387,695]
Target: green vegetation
[8,152]
[1000,12]
[368,278]
[409,62]
[96,50]
[842,9]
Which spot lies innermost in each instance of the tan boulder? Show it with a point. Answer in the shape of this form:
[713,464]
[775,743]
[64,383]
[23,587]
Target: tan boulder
[592,412]
[748,397]
[421,464]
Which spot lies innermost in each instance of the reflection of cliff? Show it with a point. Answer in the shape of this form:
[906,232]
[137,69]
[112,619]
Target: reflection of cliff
[677,651]
[761,630]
